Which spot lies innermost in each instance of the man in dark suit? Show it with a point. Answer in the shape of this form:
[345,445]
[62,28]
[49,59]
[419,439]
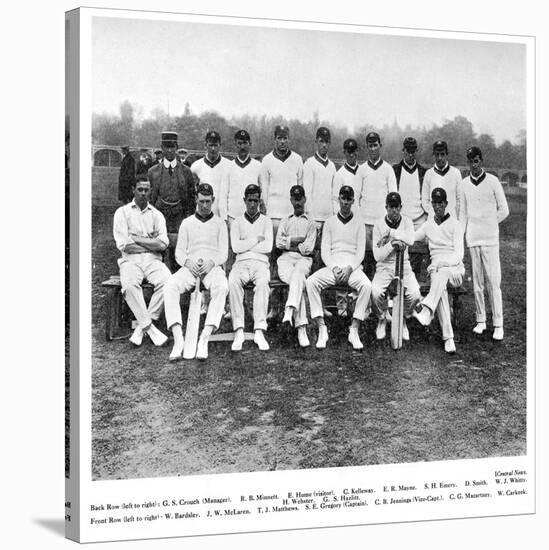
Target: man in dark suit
[172,191]
[126,178]
[409,175]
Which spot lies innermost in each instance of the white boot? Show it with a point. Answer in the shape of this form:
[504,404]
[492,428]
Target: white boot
[238,340]
[178,343]
[498,333]
[202,347]
[479,328]
[259,339]
[156,336]
[449,346]
[405,333]
[381,327]
[137,337]
[302,337]
[354,339]
[322,337]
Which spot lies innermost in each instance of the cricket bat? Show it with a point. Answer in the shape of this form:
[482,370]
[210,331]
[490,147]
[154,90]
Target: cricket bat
[193,322]
[398,303]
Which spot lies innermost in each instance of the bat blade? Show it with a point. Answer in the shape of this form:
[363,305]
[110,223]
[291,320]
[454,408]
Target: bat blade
[193,322]
[398,305]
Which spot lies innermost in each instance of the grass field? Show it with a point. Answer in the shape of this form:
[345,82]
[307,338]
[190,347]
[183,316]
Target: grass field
[291,408]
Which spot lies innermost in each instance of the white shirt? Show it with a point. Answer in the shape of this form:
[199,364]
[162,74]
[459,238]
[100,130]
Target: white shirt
[318,182]
[377,182]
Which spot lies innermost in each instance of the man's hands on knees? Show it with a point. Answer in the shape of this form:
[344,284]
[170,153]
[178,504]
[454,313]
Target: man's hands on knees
[199,270]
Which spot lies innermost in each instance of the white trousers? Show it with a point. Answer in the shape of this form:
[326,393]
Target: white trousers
[485,261]
[184,281]
[135,268]
[382,279]
[437,299]
[242,273]
[293,271]
[324,278]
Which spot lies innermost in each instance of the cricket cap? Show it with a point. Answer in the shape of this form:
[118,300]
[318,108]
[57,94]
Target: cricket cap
[212,136]
[347,192]
[393,199]
[409,144]
[350,145]
[252,189]
[204,189]
[281,131]
[440,145]
[373,137]
[242,135]
[297,192]
[323,133]
[439,195]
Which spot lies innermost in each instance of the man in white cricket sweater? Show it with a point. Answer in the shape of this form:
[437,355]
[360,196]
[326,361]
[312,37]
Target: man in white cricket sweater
[409,177]
[485,207]
[444,176]
[296,239]
[140,234]
[241,172]
[211,168]
[252,242]
[348,174]
[378,180]
[201,251]
[342,249]
[318,179]
[393,233]
[280,170]
[444,233]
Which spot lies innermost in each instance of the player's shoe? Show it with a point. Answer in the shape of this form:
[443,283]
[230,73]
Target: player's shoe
[177,351]
[498,333]
[405,333]
[158,339]
[238,340]
[202,348]
[479,328]
[449,346]
[259,339]
[354,339]
[322,337]
[302,337]
[424,316]
[326,313]
[137,337]
[381,327]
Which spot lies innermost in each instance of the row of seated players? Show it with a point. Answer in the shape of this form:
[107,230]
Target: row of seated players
[202,250]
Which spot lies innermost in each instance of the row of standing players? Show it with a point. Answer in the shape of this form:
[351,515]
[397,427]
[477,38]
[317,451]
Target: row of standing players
[477,202]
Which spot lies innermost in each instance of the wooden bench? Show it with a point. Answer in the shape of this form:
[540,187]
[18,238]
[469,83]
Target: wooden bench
[116,309]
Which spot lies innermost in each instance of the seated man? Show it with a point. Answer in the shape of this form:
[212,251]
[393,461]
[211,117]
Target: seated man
[393,233]
[445,237]
[201,250]
[140,234]
[296,239]
[342,250]
[252,242]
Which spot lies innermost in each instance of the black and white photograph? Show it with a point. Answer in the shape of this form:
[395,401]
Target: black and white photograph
[303,261]
[286,373]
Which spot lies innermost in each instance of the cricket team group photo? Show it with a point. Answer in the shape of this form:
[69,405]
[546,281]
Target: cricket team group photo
[309,248]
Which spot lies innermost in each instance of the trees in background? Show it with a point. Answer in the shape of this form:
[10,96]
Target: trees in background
[127,127]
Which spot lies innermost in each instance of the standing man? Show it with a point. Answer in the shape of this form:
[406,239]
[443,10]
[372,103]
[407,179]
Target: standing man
[409,177]
[296,238]
[444,234]
[342,249]
[378,180]
[139,230]
[126,177]
[240,172]
[252,242]
[348,174]
[392,234]
[444,176]
[201,251]
[485,207]
[281,169]
[318,179]
[172,191]
[211,168]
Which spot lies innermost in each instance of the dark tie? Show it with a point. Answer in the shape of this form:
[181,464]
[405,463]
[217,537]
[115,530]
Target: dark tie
[170,170]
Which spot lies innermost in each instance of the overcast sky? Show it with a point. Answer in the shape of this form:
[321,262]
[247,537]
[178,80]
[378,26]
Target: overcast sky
[351,79]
